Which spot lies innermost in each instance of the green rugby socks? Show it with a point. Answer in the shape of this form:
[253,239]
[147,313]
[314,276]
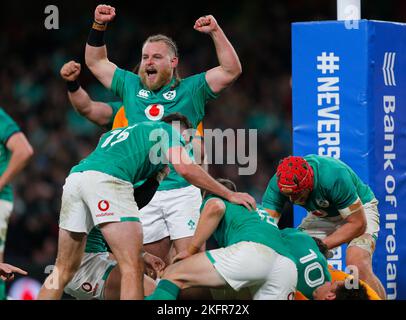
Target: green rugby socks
[3,295]
[165,290]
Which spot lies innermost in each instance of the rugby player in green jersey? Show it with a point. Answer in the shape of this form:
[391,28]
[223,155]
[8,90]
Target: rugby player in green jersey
[98,112]
[156,91]
[175,207]
[252,254]
[314,278]
[311,263]
[98,276]
[15,152]
[99,191]
[341,208]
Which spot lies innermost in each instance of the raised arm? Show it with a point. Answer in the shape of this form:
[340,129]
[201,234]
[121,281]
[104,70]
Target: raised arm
[99,113]
[21,152]
[96,51]
[230,68]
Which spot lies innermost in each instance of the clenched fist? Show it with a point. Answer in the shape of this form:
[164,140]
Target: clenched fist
[70,71]
[206,24]
[104,13]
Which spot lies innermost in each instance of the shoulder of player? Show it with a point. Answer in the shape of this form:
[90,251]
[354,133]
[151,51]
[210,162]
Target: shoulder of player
[329,171]
[115,104]
[272,187]
[192,78]
[130,76]
[4,115]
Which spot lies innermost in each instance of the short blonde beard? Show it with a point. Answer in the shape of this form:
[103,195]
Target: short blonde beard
[164,77]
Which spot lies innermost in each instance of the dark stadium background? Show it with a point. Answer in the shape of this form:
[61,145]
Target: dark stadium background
[33,93]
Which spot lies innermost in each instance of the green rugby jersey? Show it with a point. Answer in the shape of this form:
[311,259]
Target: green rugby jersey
[311,265]
[141,104]
[128,153]
[115,106]
[239,224]
[7,128]
[336,187]
[95,242]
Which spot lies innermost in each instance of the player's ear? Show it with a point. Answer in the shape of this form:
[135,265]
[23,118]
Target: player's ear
[174,62]
[330,296]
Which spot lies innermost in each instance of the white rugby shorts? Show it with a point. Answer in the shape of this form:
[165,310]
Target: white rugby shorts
[91,198]
[88,282]
[5,211]
[269,275]
[172,213]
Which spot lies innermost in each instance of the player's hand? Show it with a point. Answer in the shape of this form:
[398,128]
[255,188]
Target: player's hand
[7,271]
[244,199]
[154,265]
[70,71]
[181,256]
[162,174]
[104,13]
[206,24]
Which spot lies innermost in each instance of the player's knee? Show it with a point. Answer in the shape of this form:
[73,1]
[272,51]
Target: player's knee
[362,264]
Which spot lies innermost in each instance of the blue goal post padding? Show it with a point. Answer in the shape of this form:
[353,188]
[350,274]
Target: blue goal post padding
[349,102]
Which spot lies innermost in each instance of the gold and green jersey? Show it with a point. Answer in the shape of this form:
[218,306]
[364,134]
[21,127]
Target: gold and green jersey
[7,128]
[311,265]
[189,98]
[336,187]
[132,153]
[115,108]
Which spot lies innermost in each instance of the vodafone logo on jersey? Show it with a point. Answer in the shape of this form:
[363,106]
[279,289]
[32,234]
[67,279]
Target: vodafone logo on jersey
[154,112]
[103,205]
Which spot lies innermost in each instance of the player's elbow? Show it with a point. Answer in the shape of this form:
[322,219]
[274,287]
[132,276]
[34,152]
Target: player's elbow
[93,62]
[238,71]
[27,152]
[360,227]
[216,208]
[234,73]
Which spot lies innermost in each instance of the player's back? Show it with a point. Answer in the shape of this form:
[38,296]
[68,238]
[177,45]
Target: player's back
[311,265]
[132,153]
[239,224]
[330,172]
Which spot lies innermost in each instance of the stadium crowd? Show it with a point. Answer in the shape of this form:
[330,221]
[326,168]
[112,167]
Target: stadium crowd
[33,93]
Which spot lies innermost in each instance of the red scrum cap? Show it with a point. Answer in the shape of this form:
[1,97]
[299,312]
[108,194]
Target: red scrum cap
[294,175]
